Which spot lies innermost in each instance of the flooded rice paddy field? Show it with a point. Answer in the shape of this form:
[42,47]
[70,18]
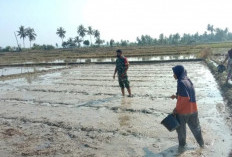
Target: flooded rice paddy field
[80,112]
[143,58]
[6,71]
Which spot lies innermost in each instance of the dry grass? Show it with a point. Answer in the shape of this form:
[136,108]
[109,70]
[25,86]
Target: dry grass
[103,52]
[73,54]
[205,53]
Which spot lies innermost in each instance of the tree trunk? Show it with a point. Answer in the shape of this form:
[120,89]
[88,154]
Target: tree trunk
[90,40]
[23,43]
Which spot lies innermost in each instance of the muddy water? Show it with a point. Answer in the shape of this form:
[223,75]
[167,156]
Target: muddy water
[143,58]
[5,71]
[80,112]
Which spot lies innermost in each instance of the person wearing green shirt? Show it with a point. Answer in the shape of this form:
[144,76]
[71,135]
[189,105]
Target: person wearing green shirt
[121,68]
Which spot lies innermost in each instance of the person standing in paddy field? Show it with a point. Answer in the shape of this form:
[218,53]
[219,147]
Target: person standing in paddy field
[186,107]
[121,68]
[229,65]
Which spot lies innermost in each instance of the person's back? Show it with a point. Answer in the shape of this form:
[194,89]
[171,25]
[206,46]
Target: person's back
[186,107]
[186,100]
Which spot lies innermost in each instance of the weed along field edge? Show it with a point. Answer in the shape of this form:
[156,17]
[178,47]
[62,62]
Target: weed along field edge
[77,110]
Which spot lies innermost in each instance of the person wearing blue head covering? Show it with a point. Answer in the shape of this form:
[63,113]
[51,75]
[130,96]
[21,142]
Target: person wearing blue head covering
[186,107]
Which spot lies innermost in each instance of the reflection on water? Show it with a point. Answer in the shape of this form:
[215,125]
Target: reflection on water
[21,70]
[31,77]
[113,59]
[160,58]
[143,58]
[124,117]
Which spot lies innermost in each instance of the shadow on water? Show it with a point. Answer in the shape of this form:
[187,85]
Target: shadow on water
[173,151]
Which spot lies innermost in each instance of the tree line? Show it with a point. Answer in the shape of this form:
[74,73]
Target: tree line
[210,35]
[80,38]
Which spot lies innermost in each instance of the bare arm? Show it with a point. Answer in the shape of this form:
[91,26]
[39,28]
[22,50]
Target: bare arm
[115,71]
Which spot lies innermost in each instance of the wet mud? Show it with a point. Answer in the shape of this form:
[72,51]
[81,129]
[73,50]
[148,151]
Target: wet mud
[79,111]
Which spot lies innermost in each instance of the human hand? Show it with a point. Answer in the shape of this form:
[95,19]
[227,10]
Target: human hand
[173,97]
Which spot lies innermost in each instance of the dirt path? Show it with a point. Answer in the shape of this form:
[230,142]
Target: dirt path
[80,112]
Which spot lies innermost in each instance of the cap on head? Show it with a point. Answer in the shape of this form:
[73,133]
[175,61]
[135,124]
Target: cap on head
[119,51]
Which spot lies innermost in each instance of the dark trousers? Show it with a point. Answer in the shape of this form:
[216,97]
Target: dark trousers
[194,125]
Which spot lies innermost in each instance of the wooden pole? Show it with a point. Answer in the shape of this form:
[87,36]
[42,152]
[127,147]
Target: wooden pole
[17,41]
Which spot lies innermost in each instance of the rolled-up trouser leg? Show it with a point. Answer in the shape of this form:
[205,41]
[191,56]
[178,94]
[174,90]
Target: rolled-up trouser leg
[194,125]
[181,130]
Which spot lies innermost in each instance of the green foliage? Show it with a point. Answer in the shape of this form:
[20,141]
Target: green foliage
[215,35]
[61,33]
[78,40]
[90,33]
[145,40]
[42,47]
[86,42]
[97,34]
[31,34]
[111,42]
[10,49]
[6,49]
[81,31]
[124,42]
[22,33]
[99,41]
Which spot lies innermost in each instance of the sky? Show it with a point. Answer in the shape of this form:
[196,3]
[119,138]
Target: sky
[115,19]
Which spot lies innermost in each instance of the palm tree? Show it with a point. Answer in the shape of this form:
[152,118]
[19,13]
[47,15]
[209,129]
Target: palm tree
[210,28]
[176,38]
[61,33]
[78,40]
[71,42]
[112,42]
[96,34]
[31,34]
[161,38]
[90,33]
[22,33]
[99,41]
[81,31]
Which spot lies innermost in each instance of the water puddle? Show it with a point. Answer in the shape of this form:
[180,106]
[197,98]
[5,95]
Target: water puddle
[6,71]
[113,59]
[144,58]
